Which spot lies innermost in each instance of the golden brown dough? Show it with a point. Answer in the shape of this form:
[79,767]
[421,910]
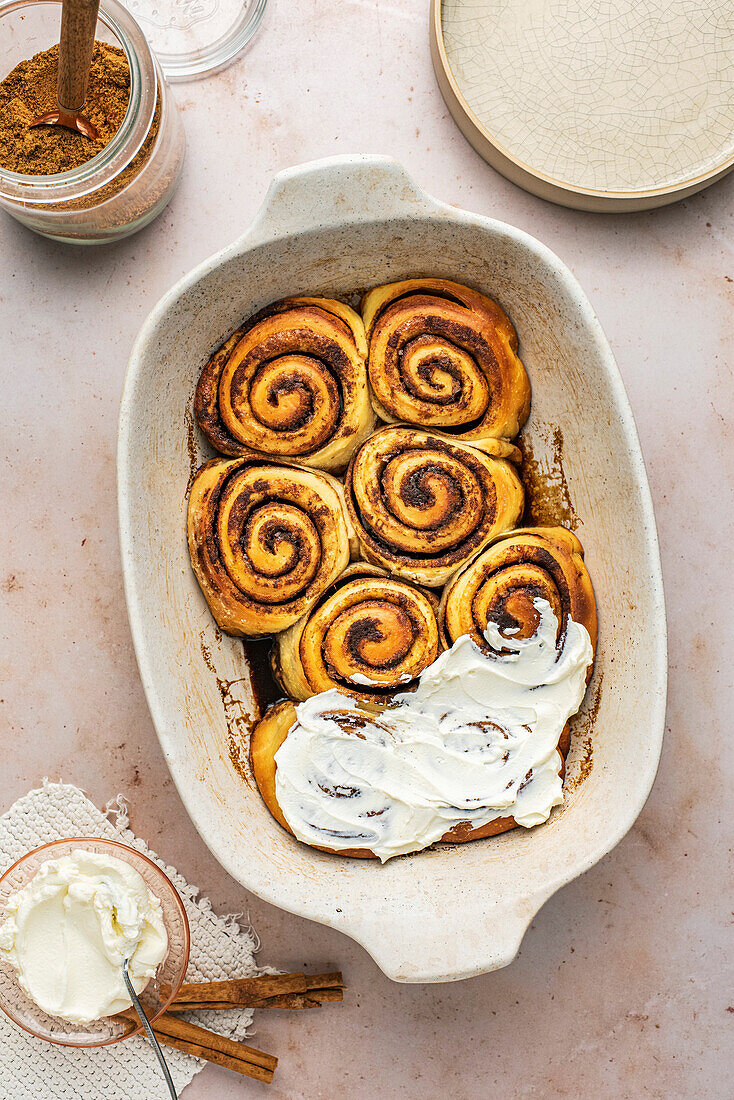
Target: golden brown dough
[444,357]
[291,383]
[370,635]
[265,541]
[267,737]
[423,504]
[501,584]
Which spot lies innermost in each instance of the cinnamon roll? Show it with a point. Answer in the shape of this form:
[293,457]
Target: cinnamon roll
[477,748]
[501,587]
[443,356]
[291,383]
[267,737]
[265,541]
[369,635]
[271,732]
[423,504]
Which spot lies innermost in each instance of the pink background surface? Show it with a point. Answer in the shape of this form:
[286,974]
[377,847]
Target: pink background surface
[622,987]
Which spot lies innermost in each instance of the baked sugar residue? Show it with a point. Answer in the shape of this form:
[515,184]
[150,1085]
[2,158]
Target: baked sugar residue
[586,763]
[547,496]
[265,689]
[192,449]
[582,764]
[236,703]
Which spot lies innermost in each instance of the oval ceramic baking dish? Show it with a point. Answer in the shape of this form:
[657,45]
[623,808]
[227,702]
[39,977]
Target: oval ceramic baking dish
[335,227]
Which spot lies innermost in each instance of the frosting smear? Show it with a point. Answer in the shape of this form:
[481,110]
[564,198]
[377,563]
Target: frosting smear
[476,741]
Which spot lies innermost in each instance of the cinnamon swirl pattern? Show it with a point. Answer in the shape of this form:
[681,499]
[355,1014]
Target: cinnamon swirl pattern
[501,587]
[290,383]
[417,720]
[265,541]
[369,635]
[443,356]
[422,504]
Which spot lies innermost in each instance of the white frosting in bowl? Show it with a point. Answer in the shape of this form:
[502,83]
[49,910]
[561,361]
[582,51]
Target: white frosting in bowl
[476,741]
[68,930]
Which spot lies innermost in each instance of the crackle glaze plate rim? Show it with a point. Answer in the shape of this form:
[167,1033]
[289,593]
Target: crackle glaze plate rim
[521,171]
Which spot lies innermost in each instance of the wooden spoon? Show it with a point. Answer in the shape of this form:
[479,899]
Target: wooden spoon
[78,24]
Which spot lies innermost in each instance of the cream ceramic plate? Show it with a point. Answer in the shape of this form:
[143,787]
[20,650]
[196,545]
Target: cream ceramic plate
[613,105]
[331,228]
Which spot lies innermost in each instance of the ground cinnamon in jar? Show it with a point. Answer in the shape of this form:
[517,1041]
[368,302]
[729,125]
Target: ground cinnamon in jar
[30,90]
[69,188]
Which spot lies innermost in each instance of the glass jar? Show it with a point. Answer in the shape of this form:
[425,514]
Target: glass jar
[107,197]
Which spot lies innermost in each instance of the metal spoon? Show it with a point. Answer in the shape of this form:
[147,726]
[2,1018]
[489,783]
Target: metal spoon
[76,45]
[148,1029]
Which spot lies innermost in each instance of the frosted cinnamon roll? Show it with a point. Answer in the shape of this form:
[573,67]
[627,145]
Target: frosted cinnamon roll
[268,736]
[477,748]
[291,383]
[501,587]
[265,541]
[423,504]
[443,356]
[356,832]
[369,635]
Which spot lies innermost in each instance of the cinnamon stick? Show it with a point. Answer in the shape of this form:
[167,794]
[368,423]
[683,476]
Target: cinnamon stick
[293,991]
[172,1031]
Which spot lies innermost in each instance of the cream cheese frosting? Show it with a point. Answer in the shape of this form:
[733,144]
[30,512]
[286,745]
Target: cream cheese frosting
[68,930]
[477,740]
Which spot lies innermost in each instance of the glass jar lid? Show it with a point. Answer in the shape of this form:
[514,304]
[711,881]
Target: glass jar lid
[193,38]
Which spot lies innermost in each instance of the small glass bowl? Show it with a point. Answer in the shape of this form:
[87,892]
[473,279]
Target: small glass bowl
[197,39]
[110,1029]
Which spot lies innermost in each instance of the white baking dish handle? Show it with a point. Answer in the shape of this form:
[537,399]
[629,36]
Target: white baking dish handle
[459,939]
[327,193]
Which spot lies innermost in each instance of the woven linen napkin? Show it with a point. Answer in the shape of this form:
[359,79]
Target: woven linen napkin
[31,1069]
